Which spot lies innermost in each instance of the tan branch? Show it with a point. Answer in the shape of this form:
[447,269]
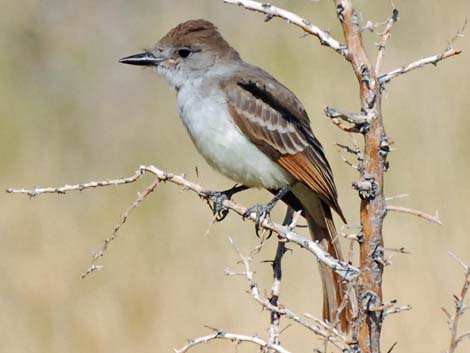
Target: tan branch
[433,219]
[344,269]
[366,328]
[272,11]
[234,337]
[385,78]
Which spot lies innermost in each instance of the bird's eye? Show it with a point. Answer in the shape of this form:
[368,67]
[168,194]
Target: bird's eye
[184,53]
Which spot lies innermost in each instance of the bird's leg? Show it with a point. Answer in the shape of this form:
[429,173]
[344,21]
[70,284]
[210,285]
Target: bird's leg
[216,199]
[262,211]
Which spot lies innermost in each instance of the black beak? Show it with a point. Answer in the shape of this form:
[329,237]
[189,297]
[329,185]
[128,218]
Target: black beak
[142,59]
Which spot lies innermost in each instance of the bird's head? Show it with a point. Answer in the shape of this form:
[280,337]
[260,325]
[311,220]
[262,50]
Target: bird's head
[187,52]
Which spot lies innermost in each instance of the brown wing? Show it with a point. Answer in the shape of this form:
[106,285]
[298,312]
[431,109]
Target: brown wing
[273,118]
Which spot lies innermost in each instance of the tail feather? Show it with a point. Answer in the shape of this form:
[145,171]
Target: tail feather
[322,229]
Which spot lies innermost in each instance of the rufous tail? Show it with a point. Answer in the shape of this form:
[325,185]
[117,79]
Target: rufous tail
[322,229]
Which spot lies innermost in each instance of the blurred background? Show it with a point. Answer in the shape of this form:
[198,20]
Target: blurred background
[70,113]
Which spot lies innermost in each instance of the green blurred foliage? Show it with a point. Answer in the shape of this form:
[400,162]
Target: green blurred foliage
[70,113]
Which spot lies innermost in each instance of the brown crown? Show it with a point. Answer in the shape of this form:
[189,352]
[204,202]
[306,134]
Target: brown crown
[197,33]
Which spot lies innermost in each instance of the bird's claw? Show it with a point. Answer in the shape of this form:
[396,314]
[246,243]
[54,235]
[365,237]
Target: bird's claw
[262,212]
[215,200]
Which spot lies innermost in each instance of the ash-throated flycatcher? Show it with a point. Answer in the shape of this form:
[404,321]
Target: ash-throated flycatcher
[252,129]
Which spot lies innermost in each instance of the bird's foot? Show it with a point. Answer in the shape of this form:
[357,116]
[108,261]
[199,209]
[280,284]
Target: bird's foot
[216,200]
[263,212]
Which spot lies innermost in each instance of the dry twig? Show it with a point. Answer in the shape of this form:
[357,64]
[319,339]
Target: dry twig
[396,310]
[385,37]
[140,198]
[460,308]
[386,78]
[359,121]
[433,219]
[272,11]
[234,337]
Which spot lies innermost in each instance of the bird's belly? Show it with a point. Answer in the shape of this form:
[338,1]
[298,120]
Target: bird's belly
[227,150]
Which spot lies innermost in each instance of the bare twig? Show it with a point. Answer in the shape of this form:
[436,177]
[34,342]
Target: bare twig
[401,250]
[433,219]
[460,307]
[344,269]
[320,328]
[140,198]
[397,310]
[392,347]
[372,26]
[36,191]
[459,34]
[360,121]
[385,78]
[345,160]
[272,11]
[355,151]
[234,337]
[394,197]
[385,37]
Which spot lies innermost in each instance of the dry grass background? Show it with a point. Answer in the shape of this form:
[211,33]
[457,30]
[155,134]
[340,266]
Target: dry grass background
[70,113]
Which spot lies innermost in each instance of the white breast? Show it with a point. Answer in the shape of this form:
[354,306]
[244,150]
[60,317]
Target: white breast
[205,114]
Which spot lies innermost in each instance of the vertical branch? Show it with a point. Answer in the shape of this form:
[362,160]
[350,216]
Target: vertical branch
[274,331]
[385,37]
[370,186]
[460,308]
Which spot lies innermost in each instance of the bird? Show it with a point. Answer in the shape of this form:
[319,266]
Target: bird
[253,130]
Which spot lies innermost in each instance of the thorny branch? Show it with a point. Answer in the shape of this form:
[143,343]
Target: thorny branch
[140,198]
[386,78]
[64,189]
[274,330]
[272,11]
[234,337]
[368,325]
[320,328]
[345,270]
[460,308]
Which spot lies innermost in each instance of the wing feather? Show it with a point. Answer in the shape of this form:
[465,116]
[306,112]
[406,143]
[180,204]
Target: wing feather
[273,118]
